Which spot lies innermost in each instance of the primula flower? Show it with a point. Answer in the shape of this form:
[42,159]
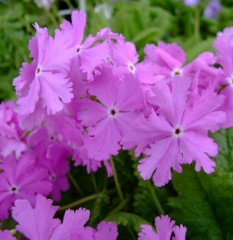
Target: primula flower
[168,58]
[106,230]
[44,82]
[38,223]
[165,230]
[6,235]
[191,3]
[224,51]
[80,157]
[177,133]
[21,179]
[52,154]
[125,62]
[58,166]
[88,53]
[168,61]
[212,9]
[11,136]
[109,119]
[35,223]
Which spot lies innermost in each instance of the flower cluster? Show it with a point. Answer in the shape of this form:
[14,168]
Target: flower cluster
[37,223]
[85,99]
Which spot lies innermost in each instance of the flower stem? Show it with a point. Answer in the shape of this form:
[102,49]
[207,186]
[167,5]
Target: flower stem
[197,23]
[78,202]
[155,198]
[75,184]
[116,180]
[94,182]
[69,4]
[228,140]
[119,207]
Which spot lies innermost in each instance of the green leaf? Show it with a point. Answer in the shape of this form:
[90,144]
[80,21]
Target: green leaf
[218,190]
[192,207]
[144,203]
[126,219]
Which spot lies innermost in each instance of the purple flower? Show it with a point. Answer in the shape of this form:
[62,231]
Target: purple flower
[6,235]
[191,3]
[38,223]
[109,119]
[212,9]
[165,230]
[178,132]
[21,179]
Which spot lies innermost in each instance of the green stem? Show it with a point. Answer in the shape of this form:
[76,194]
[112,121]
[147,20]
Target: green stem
[78,202]
[82,4]
[131,233]
[69,4]
[155,199]
[197,23]
[119,207]
[116,180]
[50,16]
[94,182]
[228,139]
[75,184]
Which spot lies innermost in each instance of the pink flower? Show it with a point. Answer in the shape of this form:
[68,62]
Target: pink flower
[21,179]
[106,230]
[38,223]
[52,155]
[88,53]
[44,81]
[58,166]
[11,136]
[168,58]
[177,133]
[224,48]
[109,119]
[35,223]
[166,230]
[125,62]
[6,235]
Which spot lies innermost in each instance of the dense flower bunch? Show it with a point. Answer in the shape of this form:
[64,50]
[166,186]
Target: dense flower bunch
[85,99]
[37,224]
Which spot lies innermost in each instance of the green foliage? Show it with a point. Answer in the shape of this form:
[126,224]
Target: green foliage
[126,219]
[204,203]
[224,138]
[145,202]
[192,207]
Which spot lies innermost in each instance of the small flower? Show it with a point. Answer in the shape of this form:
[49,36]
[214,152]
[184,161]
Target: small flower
[212,9]
[165,230]
[191,3]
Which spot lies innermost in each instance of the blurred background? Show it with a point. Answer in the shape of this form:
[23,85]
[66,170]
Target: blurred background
[192,24]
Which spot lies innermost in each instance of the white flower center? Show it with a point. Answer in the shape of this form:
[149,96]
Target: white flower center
[38,71]
[177,132]
[176,72]
[13,189]
[230,80]
[113,112]
[132,68]
[78,49]
[52,178]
